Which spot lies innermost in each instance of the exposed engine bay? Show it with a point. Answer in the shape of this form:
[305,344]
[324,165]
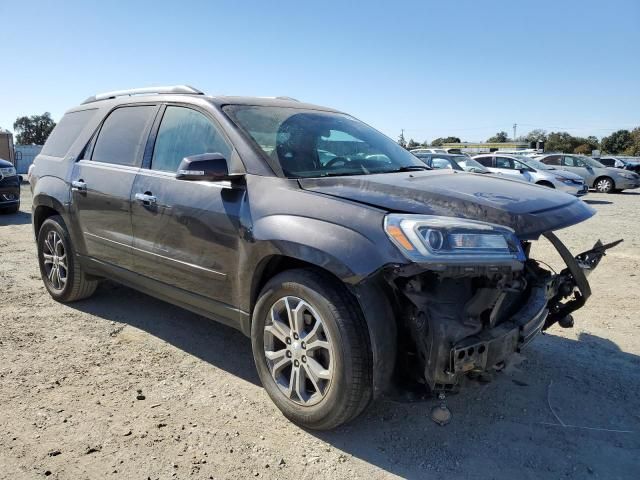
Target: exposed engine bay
[470,320]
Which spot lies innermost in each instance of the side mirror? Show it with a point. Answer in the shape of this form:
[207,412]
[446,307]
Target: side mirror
[206,166]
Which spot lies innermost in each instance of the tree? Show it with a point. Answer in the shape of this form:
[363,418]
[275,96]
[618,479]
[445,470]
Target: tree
[438,142]
[634,148]
[33,130]
[412,144]
[500,137]
[533,136]
[561,142]
[401,141]
[617,142]
[583,149]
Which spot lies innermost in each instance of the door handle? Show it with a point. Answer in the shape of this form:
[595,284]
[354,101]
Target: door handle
[78,186]
[146,198]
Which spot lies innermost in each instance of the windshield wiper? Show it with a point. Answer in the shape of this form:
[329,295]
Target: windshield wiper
[409,168]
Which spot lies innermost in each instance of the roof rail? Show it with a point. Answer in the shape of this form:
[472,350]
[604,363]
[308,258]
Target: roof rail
[143,91]
[288,98]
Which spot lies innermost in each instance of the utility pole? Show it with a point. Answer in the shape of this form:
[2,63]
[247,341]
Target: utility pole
[515,126]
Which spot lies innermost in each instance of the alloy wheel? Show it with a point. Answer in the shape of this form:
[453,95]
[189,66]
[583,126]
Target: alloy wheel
[298,350]
[55,260]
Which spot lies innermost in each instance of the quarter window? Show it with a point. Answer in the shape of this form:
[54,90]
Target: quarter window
[185,132]
[66,132]
[122,136]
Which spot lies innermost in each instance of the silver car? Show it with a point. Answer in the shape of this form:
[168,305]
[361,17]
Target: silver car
[530,170]
[595,175]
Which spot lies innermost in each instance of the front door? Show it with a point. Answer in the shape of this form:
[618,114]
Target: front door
[574,164]
[186,232]
[511,168]
[102,180]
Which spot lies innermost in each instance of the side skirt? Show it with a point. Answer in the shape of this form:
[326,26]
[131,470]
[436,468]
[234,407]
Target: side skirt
[218,311]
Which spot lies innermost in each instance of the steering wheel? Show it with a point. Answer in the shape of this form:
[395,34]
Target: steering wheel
[335,160]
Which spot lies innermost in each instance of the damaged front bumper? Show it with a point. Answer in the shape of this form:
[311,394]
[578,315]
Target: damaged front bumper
[471,320]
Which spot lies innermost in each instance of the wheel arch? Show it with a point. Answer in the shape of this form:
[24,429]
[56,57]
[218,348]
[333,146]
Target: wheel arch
[545,183]
[372,299]
[601,177]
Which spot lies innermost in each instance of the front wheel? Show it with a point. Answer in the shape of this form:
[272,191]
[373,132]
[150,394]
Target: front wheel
[11,209]
[60,269]
[311,349]
[604,185]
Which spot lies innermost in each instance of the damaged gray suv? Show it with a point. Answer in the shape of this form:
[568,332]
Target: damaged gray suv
[347,261]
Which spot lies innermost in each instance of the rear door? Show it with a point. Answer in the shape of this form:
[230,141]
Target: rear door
[186,232]
[102,180]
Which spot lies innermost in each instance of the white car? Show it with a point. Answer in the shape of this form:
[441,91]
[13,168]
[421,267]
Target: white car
[428,150]
[530,170]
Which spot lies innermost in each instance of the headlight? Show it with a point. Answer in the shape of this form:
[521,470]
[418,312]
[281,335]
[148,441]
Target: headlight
[563,179]
[443,241]
[629,176]
[8,171]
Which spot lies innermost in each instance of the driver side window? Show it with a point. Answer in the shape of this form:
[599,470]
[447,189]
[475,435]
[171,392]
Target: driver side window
[570,161]
[182,133]
[504,162]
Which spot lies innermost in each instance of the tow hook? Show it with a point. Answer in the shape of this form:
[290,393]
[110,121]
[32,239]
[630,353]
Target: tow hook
[441,413]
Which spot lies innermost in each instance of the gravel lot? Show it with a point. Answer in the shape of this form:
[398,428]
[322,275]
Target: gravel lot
[125,386]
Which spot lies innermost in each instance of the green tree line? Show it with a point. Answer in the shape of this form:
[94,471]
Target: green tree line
[620,142]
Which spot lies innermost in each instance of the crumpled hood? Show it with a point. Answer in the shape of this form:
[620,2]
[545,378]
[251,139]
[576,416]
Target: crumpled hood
[528,209]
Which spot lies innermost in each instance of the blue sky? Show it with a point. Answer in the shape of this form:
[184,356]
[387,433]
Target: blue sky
[435,68]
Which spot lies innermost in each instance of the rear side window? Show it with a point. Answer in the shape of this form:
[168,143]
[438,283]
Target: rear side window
[122,136]
[182,133]
[66,132]
[486,161]
[551,160]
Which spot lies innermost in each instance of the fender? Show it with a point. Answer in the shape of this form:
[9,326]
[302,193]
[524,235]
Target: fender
[348,255]
[57,197]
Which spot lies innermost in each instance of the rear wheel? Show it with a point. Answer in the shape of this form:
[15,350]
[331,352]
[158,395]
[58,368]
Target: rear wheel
[60,269]
[311,348]
[604,185]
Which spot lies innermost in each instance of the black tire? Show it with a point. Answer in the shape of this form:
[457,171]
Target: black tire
[604,185]
[77,285]
[351,386]
[12,209]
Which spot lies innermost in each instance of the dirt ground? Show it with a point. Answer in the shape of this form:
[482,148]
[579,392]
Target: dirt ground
[71,376]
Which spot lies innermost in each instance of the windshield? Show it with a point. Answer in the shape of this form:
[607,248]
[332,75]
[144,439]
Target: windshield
[471,165]
[591,162]
[311,143]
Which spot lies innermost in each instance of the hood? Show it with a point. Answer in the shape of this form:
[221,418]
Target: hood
[528,209]
[5,163]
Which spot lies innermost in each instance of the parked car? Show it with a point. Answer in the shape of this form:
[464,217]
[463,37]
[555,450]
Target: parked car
[528,169]
[461,163]
[428,150]
[342,272]
[9,188]
[620,162]
[595,175]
